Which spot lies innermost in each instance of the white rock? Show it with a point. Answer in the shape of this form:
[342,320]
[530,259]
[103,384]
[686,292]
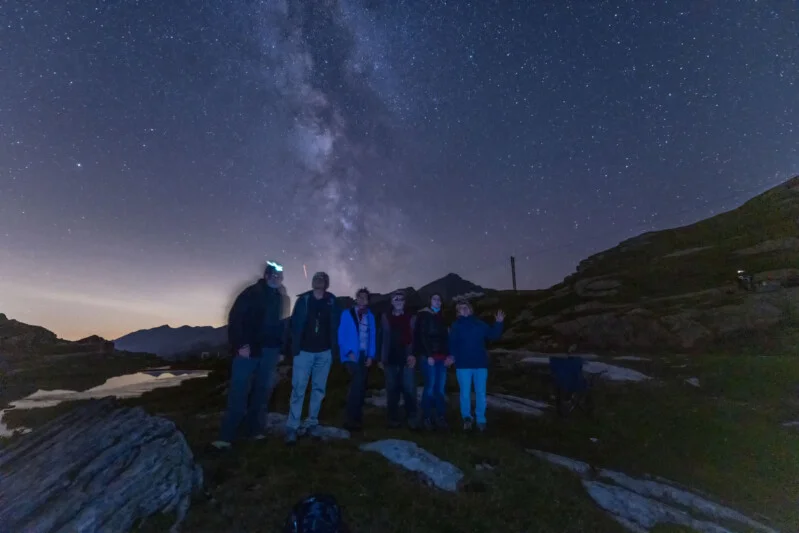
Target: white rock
[693,381]
[794,424]
[410,456]
[608,371]
[639,505]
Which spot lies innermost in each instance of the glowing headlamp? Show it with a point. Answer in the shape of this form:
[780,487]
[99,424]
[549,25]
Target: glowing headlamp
[277,266]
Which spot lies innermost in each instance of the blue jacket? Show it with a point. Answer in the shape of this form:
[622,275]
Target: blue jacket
[467,341]
[300,314]
[349,337]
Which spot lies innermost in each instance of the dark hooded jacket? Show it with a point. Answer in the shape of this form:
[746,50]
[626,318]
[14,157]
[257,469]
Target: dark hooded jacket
[431,338]
[259,318]
[299,317]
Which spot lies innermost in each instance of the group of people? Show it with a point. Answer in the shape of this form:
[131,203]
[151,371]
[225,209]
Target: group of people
[263,329]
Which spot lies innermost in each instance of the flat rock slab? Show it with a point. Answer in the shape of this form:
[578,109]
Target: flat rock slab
[96,469]
[276,423]
[794,424]
[694,382]
[608,371]
[411,456]
[641,504]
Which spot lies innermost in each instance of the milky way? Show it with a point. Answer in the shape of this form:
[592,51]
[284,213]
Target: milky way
[153,154]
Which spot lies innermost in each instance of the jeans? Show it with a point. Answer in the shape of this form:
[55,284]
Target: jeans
[313,366]
[357,393]
[251,383]
[435,382]
[400,381]
[465,378]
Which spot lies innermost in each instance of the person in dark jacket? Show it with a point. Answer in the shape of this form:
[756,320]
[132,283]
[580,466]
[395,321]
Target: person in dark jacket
[398,361]
[432,350]
[314,327]
[257,334]
[467,339]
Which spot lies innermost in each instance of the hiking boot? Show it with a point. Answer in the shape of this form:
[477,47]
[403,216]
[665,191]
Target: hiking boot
[291,437]
[427,424]
[467,424]
[441,423]
[315,432]
[481,427]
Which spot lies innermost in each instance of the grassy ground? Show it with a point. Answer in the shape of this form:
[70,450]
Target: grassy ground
[723,438]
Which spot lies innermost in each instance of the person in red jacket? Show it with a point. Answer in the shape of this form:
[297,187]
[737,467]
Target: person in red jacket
[398,361]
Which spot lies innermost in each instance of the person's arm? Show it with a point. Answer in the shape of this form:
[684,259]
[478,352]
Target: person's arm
[454,343]
[413,336]
[343,343]
[372,352]
[235,321]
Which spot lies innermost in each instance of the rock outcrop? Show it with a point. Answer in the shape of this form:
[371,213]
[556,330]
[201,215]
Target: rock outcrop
[96,469]
[410,456]
[641,504]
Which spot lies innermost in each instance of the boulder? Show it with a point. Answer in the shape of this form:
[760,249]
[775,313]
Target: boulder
[410,456]
[99,468]
[596,287]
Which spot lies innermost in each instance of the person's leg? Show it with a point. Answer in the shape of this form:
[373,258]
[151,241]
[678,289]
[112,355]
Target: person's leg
[429,377]
[480,382]
[354,369]
[239,390]
[440,392]
[464,377]
[320,373]
[300,373]
[393,388]
[262,386]
[408,377]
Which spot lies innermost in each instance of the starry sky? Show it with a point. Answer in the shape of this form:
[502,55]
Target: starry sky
[154,153]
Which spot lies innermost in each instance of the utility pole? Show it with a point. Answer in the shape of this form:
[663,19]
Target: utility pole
[513,271]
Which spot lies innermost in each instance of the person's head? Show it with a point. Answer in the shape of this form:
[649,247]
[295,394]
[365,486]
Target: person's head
[398,301]
[362,297]
[435,302]
[463,308]
[320,281]
[273,274]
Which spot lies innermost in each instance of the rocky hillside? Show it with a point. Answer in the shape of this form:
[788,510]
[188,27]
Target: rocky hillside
[449,287]
[673,289]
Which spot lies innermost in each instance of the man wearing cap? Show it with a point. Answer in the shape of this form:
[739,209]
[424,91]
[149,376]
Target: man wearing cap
[257,334]
[314,326]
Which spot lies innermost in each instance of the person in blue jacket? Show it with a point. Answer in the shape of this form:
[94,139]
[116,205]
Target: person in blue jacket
[467,339]
[357,348]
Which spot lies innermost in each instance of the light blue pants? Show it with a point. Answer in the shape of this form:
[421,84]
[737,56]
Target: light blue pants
[313,366]
[478,376]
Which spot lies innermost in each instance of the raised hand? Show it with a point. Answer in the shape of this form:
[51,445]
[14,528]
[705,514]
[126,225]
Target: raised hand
[500,316]
[448,361]
[244,351]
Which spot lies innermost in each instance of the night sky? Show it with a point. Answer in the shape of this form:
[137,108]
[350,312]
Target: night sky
[154,153]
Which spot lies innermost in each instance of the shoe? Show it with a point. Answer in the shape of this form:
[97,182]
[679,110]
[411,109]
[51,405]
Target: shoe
[427,424]
[481,428]
[315,432]
[221,445]
[441,423]
[467,424]
[291,437]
